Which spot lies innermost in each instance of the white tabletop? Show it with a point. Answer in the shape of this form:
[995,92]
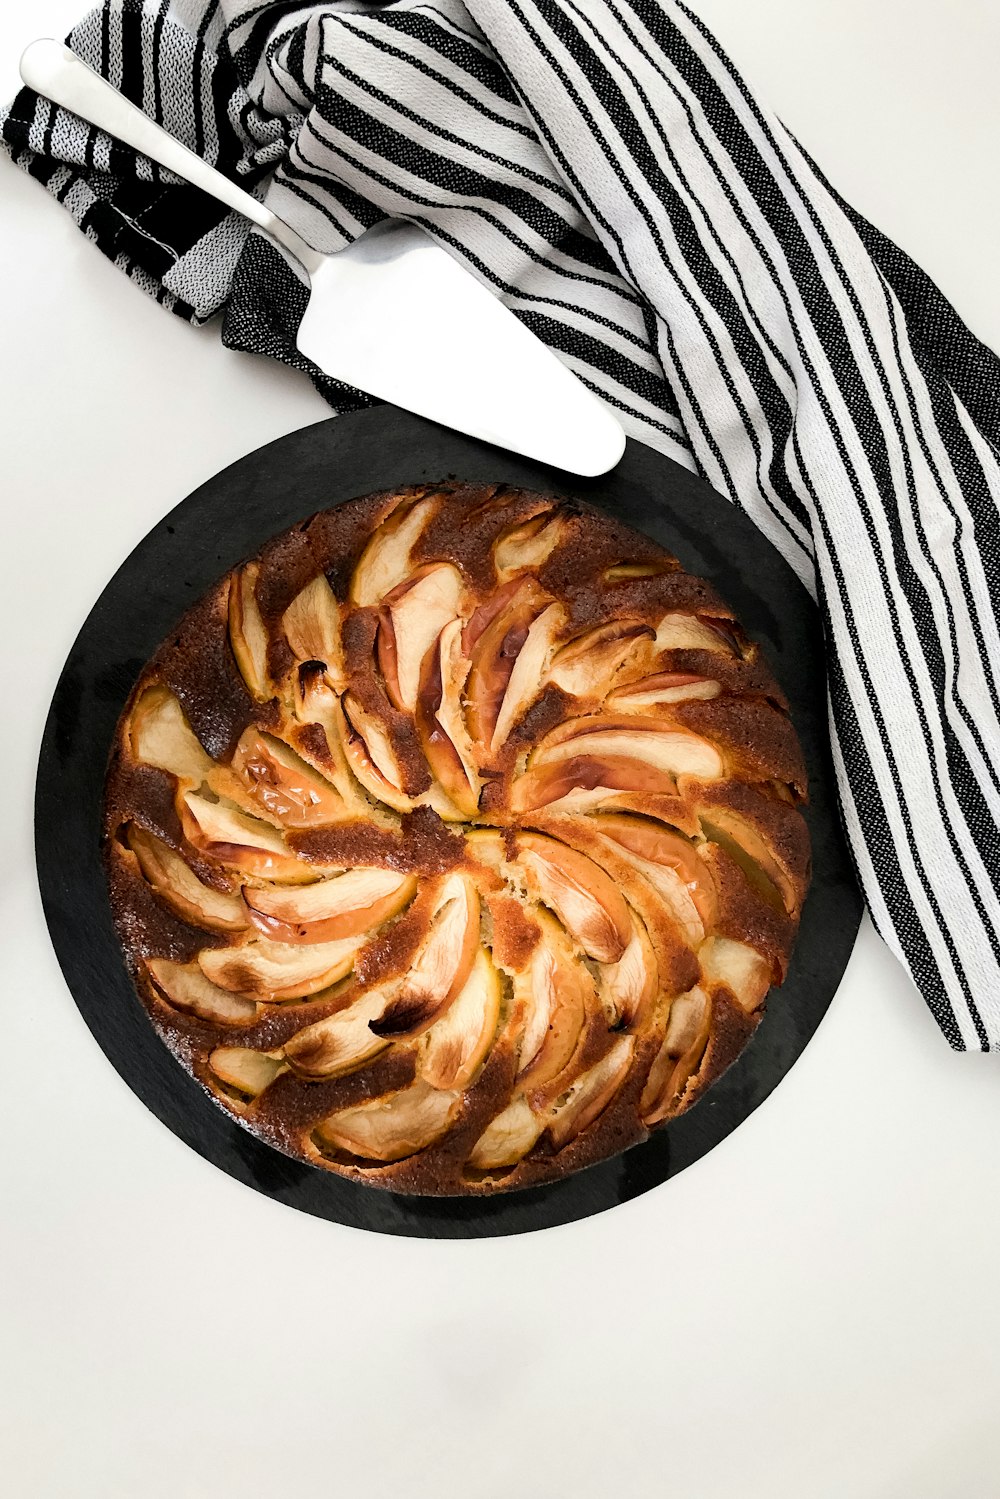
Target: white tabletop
[811,1312]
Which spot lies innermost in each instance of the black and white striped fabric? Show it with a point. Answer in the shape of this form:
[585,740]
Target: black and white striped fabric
[603,167]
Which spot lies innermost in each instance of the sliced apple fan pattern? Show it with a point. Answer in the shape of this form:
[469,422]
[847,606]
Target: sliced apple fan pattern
[454,842]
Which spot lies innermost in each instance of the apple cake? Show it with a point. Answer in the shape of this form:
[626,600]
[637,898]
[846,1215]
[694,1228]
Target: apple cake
[454,841]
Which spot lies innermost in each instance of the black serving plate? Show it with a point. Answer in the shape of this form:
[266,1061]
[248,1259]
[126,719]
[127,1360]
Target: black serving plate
[228,519]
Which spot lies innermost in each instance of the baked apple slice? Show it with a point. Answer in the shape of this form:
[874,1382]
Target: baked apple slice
[276,971]
[244,1069]
[247,633]
[669,863]
[394,1127]
[385,561]
[629,987]
[348,905]
[312,628]
[552,996]
[186,987]
[507,1139]
[285,787]
[341,1043]
[160,735]
[528,673]
[661,690]
[738,967]
[587,665]
[440,721]
[494,652]
[755,855]
[442,964]
[691,632]
[452,1050]
[240,842]
[178,885]
[371,756]
[587,902]
[529,544]
[590,1094]
[679,1057]
[657,745]
[410,621]
[585,781]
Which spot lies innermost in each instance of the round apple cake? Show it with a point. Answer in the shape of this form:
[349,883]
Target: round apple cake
[454,841]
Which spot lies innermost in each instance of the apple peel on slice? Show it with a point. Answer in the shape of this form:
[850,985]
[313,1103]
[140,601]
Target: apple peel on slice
[669,863]
[689,632]
[629,987]
[348,905]
[662,690]
[529,544]
[440,721]
[552,996]
[178,885]
[186,987]
[394,1127]
[657,747]
[276,971]
[527,676]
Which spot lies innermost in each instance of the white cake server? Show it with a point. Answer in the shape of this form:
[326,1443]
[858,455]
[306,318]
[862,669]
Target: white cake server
[393,314]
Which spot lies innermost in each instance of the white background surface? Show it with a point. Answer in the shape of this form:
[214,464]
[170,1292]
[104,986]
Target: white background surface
[812,1312]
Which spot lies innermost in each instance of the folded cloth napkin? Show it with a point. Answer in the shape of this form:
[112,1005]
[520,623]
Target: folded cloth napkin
[603,167]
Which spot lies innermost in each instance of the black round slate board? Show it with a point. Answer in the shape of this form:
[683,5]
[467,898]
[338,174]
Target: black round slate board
[230,518]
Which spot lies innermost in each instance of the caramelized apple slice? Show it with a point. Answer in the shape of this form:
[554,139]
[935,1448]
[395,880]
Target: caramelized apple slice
[180,887]
[161,736]
[591,1093]
[441,723]
[274,971]
[411,619]
[679,1056]
[248,1071]
[507,1138]
[385,561]
[247,634]
[453,1048]
[670,863]
[371,756]
[243,843]
[391,1128]
[330,910]
[689,632]
[587,666]
[316,702]
[585,781]
[552,995]
[339,1044]
[526,677]
[625,572]
[629,987]
[737,966]
[529,544]
[442,965]
[653,744]
[587,902]
[283,784]
[495,652]
[312,628]
[661,690]
[185,987]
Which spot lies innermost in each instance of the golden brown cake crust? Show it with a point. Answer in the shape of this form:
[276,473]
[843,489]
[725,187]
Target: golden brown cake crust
[455,840]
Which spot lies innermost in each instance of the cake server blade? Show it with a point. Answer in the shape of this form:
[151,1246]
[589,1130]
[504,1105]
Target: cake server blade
[393,314]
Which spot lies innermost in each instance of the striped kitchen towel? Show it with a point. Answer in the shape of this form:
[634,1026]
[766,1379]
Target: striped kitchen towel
[603,167]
